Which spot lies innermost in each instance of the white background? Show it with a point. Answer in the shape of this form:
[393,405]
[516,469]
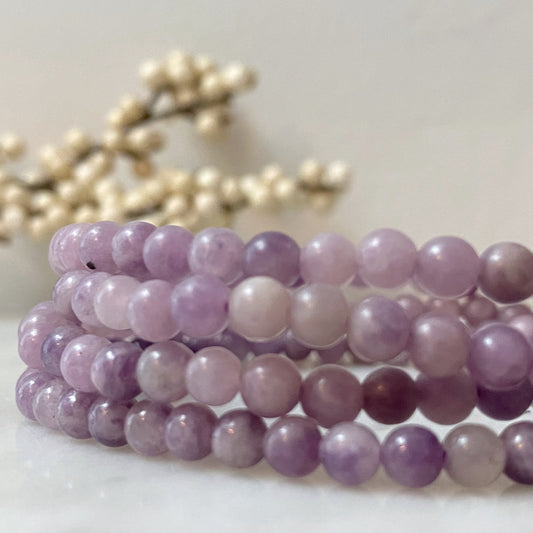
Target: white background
[431,102]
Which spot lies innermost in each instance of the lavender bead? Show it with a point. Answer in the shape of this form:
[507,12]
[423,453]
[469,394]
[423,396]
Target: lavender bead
[31,341]
[76,361]
[478,310]
[386,258]
[145,427]
[27,387]
[510,311]
[475,456]
[213,375]
[73,413]
[127,248]
[523,324]
[166,251]
[291,446]
[506,404]
[54,344]
[333,354]
[506,274]
[227,339]
[82,298]
[238,438]
[270,385]
[411,305]
[518,443]
[189,431]
[331,394]
[111,301]
[272,254]
[43,313]
[106,422]
[275,345]
[500,357]
[95,247]
[113,371]
[63,250]
[378,329]
[328,258]
[412,456]
[451,307]
[199,305]
[46,400]
[63,290]
[350,453]
[447,267]
[217,251]
[294,349]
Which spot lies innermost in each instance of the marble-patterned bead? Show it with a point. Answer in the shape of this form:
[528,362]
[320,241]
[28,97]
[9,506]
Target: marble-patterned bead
[73,413]
[145,427]
[46,400]
[27,387]
[95,251]
[518,443]
[106,422]
[111,301]
[127,248]
[54,344]
[506,404]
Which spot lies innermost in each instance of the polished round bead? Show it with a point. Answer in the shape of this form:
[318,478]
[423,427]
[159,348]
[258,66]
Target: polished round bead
[213,375]
[319,315]
[378,329]
[291,446]
[506,274]
[411,305]
[389,395]
[82,298]
[113,371]
[518,443]
[111,301]
[166,252]
[270,385]
[145,427]
[386,258]
[330,394]
[95,251]
[506,404]
[447,267]
[199,305]
[161,371]
[275,345]
[44,313]
[73,413]
[333,354]
[127,248]
[412,456]
[272,254]
[63,250]
[500,357]
[77,359]
[450,307]
[259,308]
[189,431]
[439,344]
[446,400]
[478,310]
[350,453]
[63,290]
[106,422]
[523,324]
[238,438]
[27,387]
[149,311]
[475,456]
[54,344]
[227,339]
[328,258]
[46,400]
[217,251]
[508,312]
[293,348]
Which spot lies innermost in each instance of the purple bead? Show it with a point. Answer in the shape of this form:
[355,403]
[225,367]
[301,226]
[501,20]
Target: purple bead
[199,305]
[412,456]
[446,400]
[106,422]
[113,371]
[238,438]
[272,254]
[230,340]
[73,413]
[31,341]
[145,427]
[447,267]
[378,329]
[54,344]
[46,400]
[294,349]
[95,247]
[63,291]
[82,297]
[127,248]
[27,387]
[275,345]
[43,313]
[386,258]
[328,258]
[451,307]
[518,443]
[350,453]
[506,274]
[500,357]
[189,431]
[63,250]
[506,404]
[411,305]
[111,301]
[166,252]
[149,311]
[510,311]
[335,353]
[523,324]
[330,394]
[270,385]
[291,446]
[161,371]
[217,251]
[478,310]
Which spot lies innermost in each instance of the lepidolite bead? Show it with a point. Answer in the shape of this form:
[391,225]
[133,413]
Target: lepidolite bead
[523,324]
[508,312]
[189,430]
[506,404]
[412,456]
[27,387]
[127,248]
[106,422]
[95,251]
[475,456]
[411,305]
[291,446]
[479,309]
[63,290]
[111,301]
[238,438]
[293,348]
[330,394]
[54,344]
[518,443]
[63,250]
[43,313]
[82,298]
[73,413]
[350,453]
[145,427]
[334,353]
[46,401]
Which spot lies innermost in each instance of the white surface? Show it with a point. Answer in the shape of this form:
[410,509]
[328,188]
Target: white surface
[432,103]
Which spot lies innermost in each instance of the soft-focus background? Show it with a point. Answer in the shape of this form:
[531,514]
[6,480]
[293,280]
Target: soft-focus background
[431,102]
